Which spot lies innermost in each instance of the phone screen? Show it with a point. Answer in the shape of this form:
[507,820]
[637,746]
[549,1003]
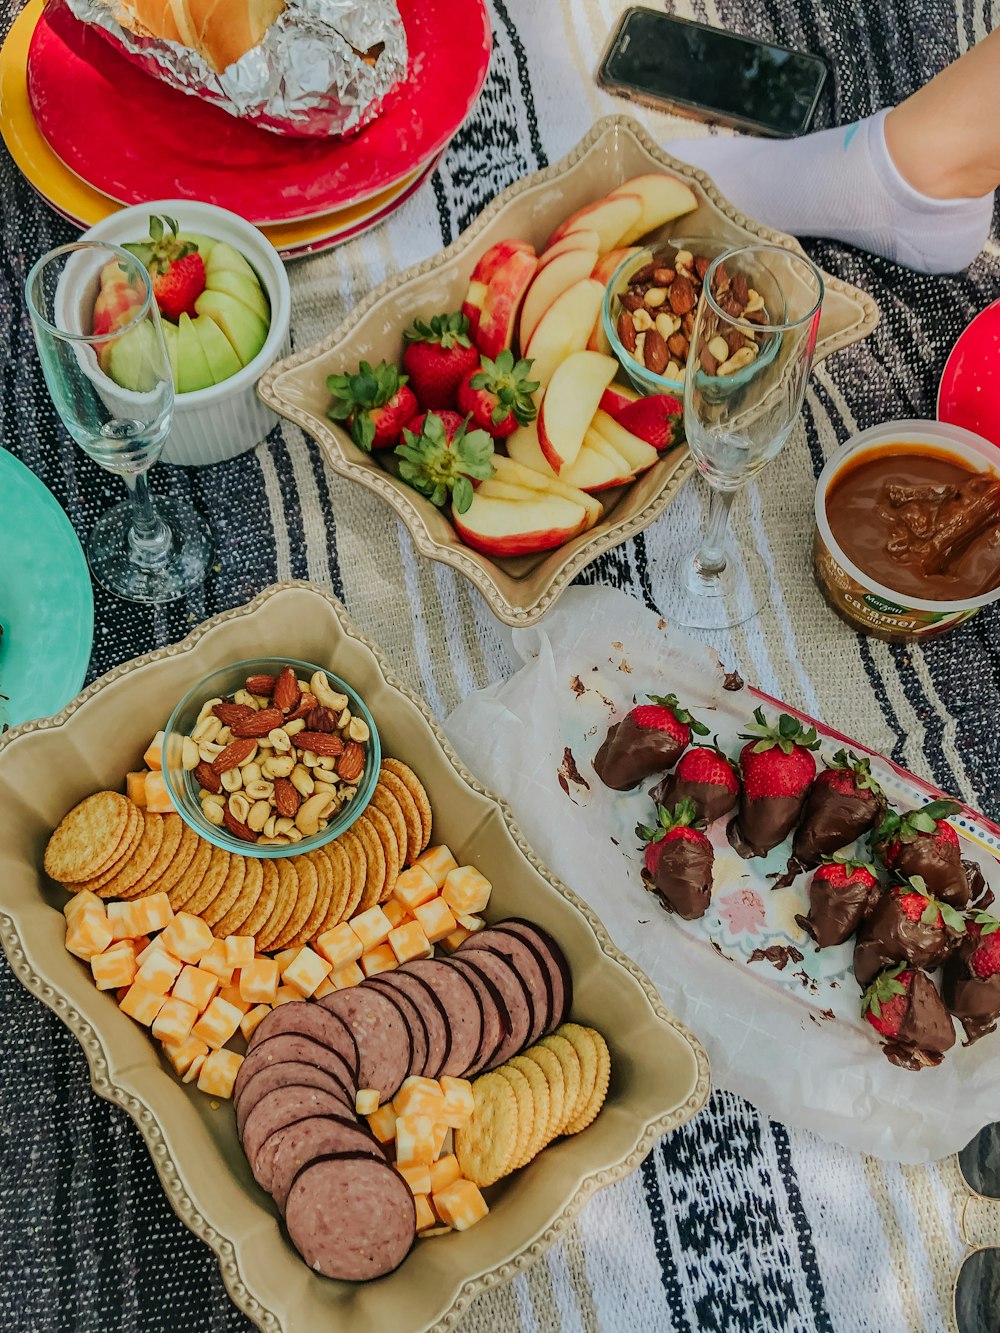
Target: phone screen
[743,81]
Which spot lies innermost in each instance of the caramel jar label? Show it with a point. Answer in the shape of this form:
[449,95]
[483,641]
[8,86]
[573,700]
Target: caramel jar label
[871,613]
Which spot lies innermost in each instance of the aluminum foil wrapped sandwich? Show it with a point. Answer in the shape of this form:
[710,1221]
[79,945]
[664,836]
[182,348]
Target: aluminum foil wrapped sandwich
[310,67]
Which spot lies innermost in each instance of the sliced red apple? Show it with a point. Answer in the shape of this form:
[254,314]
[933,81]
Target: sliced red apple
[616,397]
[607,265]
[564,328]
[569,404]
[612,217]
[549,283]
[575,240]
[486,266]
[503,303]
[637,453]
[540,477]
[598,467]
[663,197]
[519,527]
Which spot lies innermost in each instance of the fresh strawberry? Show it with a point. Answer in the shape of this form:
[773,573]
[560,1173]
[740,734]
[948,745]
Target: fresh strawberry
[704,776]
[439,354]
[984,960]
[886,1001]
[176,268]
[441,458]
[658,419]
[498,395]
[650,739]
[923,843]
[375,404]
[679,860]
[778,769]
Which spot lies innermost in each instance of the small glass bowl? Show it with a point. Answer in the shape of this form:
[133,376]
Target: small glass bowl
[183,786]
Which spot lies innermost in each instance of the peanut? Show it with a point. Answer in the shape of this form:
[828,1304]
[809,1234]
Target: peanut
[190,758]
[260,813]
[259,790]
[207,729]
[294,727]
[232,779]
[212,810]
[655,297]
[278,765]
[239,806]
[247,699]
[358,730]
[280,739]
[302,780]
[719,348]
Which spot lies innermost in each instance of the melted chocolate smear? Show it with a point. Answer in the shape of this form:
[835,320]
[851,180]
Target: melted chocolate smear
[709,799]
[570,769]
[683,879]
[732,681]
[577,686]
[762,824]
[981,896]
[836,913]
[778,954]
[631,753]
[831,820]
[827,1013]
[889,937]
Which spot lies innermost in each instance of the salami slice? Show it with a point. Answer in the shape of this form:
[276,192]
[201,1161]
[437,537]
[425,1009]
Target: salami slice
[516,996]
[496,1016]
[462,1005]
[380,1030]
[350,1216]
[432,1012]
[555,960]
[319,1136]
[530,966]
[283,1075]
[310,1020]
[278,1110]
[290,1046]
[414,1021]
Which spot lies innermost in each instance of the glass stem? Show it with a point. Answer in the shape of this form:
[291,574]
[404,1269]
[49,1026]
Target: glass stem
[710,559]
[149,539]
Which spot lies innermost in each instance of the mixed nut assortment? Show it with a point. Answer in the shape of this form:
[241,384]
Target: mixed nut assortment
[275,762]
[657,311]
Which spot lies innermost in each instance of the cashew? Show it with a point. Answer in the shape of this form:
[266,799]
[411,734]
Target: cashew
[344,718]
[736,362]
[325,764]
[293,835]
[719,348]
[357,730]
[303,685]
[232,779]
[269,826]
[324,692]
[311,813]
[302,780]
[190,758]
[754,302]
[642,321]
[309,758]
[282,824]
[260,813]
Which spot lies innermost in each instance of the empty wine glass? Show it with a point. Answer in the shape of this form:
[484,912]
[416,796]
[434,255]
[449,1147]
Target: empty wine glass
[97,329]
[750,356]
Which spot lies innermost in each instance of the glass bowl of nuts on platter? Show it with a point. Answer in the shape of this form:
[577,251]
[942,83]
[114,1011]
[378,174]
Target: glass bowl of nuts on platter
[649,311]
[271,757]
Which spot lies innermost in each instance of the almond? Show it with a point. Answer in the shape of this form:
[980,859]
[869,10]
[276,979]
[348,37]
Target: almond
[261,685]
[319,742]
[233,755]
[677,346]
[207,777]
[286,691]
[740,288]
[626,331]
[236,826]
[322,719]
[286,799]
[701,266]
[258,724]
[663,277]
[351,763]
[228,713]
[307,702]
[643,274]
[709,363]
[682,297]
[654,352]
[631,301]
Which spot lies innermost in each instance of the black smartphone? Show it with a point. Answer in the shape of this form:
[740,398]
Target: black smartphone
[707,74]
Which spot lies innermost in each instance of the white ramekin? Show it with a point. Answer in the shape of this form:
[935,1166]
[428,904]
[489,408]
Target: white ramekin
[211,425]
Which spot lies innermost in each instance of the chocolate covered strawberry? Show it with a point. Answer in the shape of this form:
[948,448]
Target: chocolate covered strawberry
[970,982]
[903,1006]
[923,843]
[706,778]
[843,803]
[439,355]
[909,925]
[497,395]
[679,861]
[441,458]
[778,768]
[841,894]
[658,419]
[650,739]
[375,404]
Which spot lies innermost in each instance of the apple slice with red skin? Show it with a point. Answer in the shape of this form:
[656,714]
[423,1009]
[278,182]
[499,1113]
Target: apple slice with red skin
[536,475]
[616,397]
[503,303]
[548,284]
[563,329]
[486,266]
[576,240]
[519,527]
[569,404]
[662,196]
[612,217]
[598,467]
[637,453]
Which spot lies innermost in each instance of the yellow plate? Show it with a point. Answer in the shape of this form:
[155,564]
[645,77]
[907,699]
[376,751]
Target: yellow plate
[81,204]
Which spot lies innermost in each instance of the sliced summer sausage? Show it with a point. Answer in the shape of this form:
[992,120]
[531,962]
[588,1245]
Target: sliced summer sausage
[530,967]
[555,959]
[462,1005]
[319,1136]
[379,1028]
[414,1021]
[432,1012]
[516,996]
[309,1020]
[284,1075]
[291,1046]
[278,1110]
[496,1017]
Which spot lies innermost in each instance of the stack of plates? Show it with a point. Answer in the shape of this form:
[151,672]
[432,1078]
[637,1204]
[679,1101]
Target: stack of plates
[91,131]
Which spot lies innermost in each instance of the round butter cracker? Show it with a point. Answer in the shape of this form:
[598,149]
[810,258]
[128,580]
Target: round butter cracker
[88,837]
[600,1089]
[418,792]
[486,1142]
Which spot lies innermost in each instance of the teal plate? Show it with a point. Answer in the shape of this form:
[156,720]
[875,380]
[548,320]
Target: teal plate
[46,599]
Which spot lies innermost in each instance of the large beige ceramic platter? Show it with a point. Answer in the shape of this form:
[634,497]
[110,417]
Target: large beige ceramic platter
[660,1073]
[521,589]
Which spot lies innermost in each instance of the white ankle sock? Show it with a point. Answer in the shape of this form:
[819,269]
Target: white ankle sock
[842,184]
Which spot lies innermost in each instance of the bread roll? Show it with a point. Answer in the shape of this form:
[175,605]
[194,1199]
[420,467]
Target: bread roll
[221,31]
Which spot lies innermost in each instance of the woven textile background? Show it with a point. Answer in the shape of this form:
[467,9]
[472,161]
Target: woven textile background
[733,1223]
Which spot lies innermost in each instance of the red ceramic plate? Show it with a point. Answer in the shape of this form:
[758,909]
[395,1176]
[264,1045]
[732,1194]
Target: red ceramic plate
[133,138]
[969,394]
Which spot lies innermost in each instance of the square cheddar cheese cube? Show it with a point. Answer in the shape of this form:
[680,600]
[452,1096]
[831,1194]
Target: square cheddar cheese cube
[417,1177]
[159,971]
[435,918]
[339,946]
[285,959]
[460,1204]
[396,913]
[158,801]
[187,938]
[351,975]
[241,950]
[141,1004]
[124,919]
[196,986]
[325,987]
[378,960]
[153,913]
[458,936]
[469,922]
[88,933]
[425,1213]
[287,995]
[153,758]
[366,1101]
[216,962]
[182,1054]
[217,1024]
[259,981]
[83,901]
[466,890]
[231,994]
[443,1172]
[413,887]
[194,1069]
[409,942]
[459,1101]
[419,1096]
[441,1132]
[218,1073]
[382,1123]
[371,927]
[135,788]
[253,1018]
[173,1024]
[438,862]
[306,972]
[414,1140]
[115,967]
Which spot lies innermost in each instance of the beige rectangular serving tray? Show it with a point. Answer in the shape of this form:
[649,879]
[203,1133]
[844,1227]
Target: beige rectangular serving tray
[660,1073]
[521,589]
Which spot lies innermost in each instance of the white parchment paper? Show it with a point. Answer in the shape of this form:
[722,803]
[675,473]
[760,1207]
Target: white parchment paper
[791,1040]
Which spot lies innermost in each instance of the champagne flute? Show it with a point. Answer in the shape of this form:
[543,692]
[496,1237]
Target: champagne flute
[750,356]
[99,339]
